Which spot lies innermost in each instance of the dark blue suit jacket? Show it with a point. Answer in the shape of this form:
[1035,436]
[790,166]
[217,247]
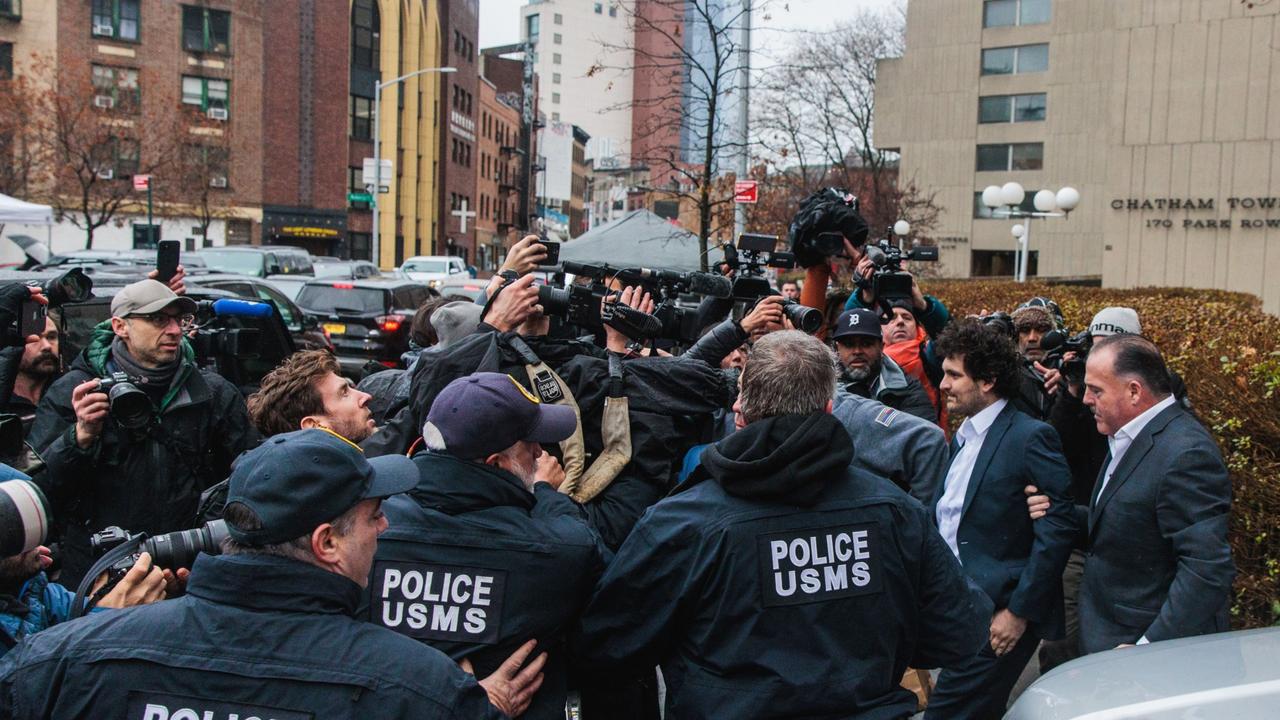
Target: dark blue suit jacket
[1016,561]
[1158,561]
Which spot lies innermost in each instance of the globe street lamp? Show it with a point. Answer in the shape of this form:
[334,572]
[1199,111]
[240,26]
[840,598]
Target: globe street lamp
[1004,201]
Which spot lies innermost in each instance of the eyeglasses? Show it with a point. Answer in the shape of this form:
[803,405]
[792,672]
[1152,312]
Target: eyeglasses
[160,320]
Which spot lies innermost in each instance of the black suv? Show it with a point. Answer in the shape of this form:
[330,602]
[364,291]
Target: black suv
[365,319]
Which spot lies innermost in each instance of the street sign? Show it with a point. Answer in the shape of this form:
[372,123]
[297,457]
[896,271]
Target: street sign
[141,182]
[363,197]
[371,175]
[746,191]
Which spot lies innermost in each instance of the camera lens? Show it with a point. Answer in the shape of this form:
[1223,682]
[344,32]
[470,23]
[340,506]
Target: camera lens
[179,549]
[129,406]
[554,301]
[804,318]
[24,517]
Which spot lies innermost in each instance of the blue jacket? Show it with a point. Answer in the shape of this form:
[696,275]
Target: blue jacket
[254,635]
[47,604]
[532,553]
[1018,561]
[782,583]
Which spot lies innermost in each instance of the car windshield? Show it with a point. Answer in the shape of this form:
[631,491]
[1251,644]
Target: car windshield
[230,261]
[342,297]
[332,269]
[290,288]
[427,266]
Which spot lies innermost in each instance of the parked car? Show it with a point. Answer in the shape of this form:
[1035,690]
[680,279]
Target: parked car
[464,285]
[431,269]
[1228,675]
[350,269]
[303,326]
[290,285]
[366,319]
[257,260]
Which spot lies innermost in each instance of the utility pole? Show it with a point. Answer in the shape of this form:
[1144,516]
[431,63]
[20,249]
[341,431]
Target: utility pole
[744,101]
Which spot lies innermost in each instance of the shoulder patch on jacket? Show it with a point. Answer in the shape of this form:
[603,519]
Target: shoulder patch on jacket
[886,416]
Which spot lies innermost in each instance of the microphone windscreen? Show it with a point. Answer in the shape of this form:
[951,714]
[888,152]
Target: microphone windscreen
[709,284]
[241,308]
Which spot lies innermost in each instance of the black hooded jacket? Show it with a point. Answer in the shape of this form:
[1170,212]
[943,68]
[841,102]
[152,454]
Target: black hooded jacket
[780,582]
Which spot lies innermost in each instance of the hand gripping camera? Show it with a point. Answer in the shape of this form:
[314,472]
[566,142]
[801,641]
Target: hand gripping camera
[749,258]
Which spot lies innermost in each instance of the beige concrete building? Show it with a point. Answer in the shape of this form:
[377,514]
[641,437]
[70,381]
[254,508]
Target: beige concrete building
[1165,114]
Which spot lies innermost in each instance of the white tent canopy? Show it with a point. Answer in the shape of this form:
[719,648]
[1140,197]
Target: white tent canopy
[18,212]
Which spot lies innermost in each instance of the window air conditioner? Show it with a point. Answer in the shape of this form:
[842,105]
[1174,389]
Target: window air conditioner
[217,113]
[107,173]
[218,182]
[104,30]
[104,101]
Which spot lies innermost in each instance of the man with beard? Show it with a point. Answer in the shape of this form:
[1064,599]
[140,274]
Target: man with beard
[484,553]
[39,366]
[307,391]
[868,372]
[780,578]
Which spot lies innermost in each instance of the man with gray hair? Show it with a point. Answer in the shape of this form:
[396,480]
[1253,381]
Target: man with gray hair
[779,576]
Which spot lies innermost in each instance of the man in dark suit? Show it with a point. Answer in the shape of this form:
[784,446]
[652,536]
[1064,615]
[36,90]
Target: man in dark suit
[1157,565]
[981,514]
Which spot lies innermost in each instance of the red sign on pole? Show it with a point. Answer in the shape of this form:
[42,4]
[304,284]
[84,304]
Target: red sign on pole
[746,191]
[141,182]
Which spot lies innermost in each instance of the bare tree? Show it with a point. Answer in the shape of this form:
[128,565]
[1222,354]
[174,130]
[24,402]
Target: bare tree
[200,170]
[815,120]
[94,148]
[20,148]
[688,58]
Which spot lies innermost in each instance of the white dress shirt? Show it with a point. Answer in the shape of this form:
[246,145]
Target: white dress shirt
[973,431]
[1120,442]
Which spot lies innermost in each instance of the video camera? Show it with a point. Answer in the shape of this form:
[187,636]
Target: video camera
[749,258]
[673,322]
[888,282]
[585,307]
[1056,344]
[223,346]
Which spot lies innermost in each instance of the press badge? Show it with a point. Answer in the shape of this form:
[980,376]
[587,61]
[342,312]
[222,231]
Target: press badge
[156,706]
[438,602]
[548,389]
[820,564]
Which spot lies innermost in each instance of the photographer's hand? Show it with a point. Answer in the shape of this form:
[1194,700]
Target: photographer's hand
[632,297]
[765,317]
[917,297]
[1052,378]
[91,409]
[139,586]
[175,283]
[514,304]
[862,273]
[525,255]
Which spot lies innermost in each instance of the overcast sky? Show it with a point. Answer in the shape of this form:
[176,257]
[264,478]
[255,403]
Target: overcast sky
[500,19]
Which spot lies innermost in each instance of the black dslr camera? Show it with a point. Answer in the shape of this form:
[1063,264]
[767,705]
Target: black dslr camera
[666,286]
[749,258]
[888,282]
[130,406]
[173,550]
[584,306]
[1056,344]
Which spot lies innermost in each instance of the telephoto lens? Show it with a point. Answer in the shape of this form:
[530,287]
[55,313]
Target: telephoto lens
[803,317]
[179,549]
[24,517]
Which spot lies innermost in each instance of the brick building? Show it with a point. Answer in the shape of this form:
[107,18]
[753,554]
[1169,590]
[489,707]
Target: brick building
[497,177]
[460,106]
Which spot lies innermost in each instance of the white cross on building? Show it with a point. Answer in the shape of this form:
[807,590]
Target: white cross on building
[463,214]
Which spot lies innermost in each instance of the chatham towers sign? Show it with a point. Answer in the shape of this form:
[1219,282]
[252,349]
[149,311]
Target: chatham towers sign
[1200,204]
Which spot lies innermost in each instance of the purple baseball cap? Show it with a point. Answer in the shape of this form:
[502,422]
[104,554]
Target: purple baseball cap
[484,413]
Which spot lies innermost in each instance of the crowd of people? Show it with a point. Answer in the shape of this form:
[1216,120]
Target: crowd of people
[766,523]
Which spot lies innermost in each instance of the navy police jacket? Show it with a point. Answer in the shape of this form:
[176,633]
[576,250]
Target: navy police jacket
[783,583]
[475,565]
[254,636]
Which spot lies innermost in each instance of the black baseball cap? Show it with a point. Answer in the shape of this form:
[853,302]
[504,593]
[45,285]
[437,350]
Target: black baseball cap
[299,480]
[857,322]
[485,412]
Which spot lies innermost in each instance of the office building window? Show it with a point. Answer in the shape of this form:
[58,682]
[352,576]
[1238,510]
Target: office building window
[555,78]
[532,27]
[361,118]
[11,9]
[1002,13]
[1015,60]
[995,263]
[117,19]
[6,60]
[365,34]
[208,94]
[599,8]
[116,89]
[613,11]
[1010,156]
[555,98]
[555,58]
[559,19]
[205,30]
[557,38]
[555,117]
[1011,108]
[982,212]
